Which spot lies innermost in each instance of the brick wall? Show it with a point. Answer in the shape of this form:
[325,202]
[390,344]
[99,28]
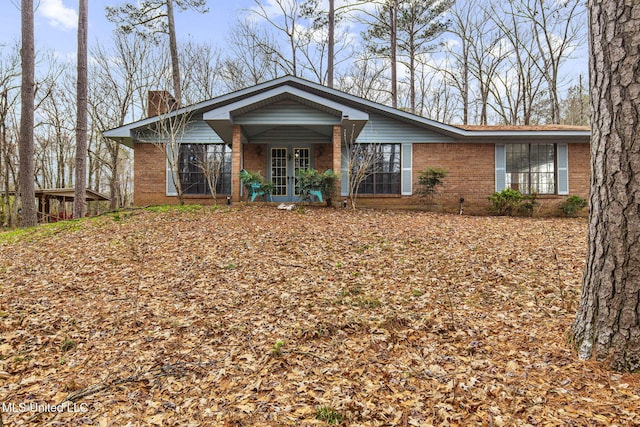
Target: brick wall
[254,156]
[470,169]
[579,170]
[471,175]
[323,157]
[149,166]
[149,179]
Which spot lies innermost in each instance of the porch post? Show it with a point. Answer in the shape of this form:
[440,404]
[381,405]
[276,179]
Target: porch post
[236,162]
[337,158]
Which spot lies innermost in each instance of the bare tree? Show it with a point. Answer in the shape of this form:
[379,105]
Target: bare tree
[574,108]
[517,86]
[607,324]
[457,64]
[150,17]
[55,149]
[546,33]
[201,79]
[437,94]
[288,23]
[360,161]
[210,159]
[252,58]
[365,78]
[167,136]
[81,112]
[9,97]
[559,29]
[119,82]
[26,177]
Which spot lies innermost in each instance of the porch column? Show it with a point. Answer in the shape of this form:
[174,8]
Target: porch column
[236,162]
[337,158]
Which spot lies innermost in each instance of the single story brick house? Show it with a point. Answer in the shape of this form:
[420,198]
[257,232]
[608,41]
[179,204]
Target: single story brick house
[287,124]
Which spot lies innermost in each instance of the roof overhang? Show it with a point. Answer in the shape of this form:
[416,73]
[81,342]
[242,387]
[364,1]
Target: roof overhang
[518,136]
[341,108]
[223,119]
[69,194]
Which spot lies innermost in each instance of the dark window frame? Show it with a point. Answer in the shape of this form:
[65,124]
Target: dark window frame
[385,178]
[191,173]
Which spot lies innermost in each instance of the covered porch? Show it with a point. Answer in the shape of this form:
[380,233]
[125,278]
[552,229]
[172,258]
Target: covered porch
[282,131]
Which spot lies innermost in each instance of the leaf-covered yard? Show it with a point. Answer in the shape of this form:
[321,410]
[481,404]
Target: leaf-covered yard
[257,316]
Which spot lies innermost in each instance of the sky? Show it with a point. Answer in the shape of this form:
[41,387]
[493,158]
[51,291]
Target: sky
[56,23]
[56,26]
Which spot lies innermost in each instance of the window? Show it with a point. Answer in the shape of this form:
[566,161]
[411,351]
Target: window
[384,177]
[197,161]
[531,168]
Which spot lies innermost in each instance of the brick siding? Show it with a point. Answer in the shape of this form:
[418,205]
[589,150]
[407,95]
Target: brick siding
[470,169]
[471,174]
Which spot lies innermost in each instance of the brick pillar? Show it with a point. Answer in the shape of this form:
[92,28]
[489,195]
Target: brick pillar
[236,162]
[337,157]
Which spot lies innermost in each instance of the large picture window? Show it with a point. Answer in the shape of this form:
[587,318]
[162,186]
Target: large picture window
[531,168]
[384,176]
[199,161]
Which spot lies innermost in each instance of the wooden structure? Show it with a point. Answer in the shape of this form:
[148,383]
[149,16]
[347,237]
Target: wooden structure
[63,196]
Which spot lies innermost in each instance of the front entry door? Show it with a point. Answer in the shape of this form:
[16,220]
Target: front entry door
[284,163]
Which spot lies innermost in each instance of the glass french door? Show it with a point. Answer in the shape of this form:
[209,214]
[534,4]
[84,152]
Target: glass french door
[284,164]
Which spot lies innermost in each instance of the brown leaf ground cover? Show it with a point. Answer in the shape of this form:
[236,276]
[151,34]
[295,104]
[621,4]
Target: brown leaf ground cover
[256,316]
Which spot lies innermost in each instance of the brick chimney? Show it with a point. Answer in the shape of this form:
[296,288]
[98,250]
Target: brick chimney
[159,102]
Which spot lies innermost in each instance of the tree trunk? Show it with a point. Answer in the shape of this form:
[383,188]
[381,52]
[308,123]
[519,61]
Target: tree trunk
[607,325]
[4,159]
[465,84]
[173,49]
[412,76]
[26,174]
[81,118]
[330,53]
[393,10]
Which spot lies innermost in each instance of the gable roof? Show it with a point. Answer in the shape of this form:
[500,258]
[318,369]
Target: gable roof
[221,118]
[219,113]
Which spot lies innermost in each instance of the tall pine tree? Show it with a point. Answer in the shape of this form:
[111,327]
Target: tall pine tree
[81,112]
[607,325]
[26,146]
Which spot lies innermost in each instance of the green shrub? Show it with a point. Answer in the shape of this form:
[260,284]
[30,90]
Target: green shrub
[307,180]
[505,202]
[429,179]
[311,179]
[528,204]
[572,205]
[328,185]
[249,178]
